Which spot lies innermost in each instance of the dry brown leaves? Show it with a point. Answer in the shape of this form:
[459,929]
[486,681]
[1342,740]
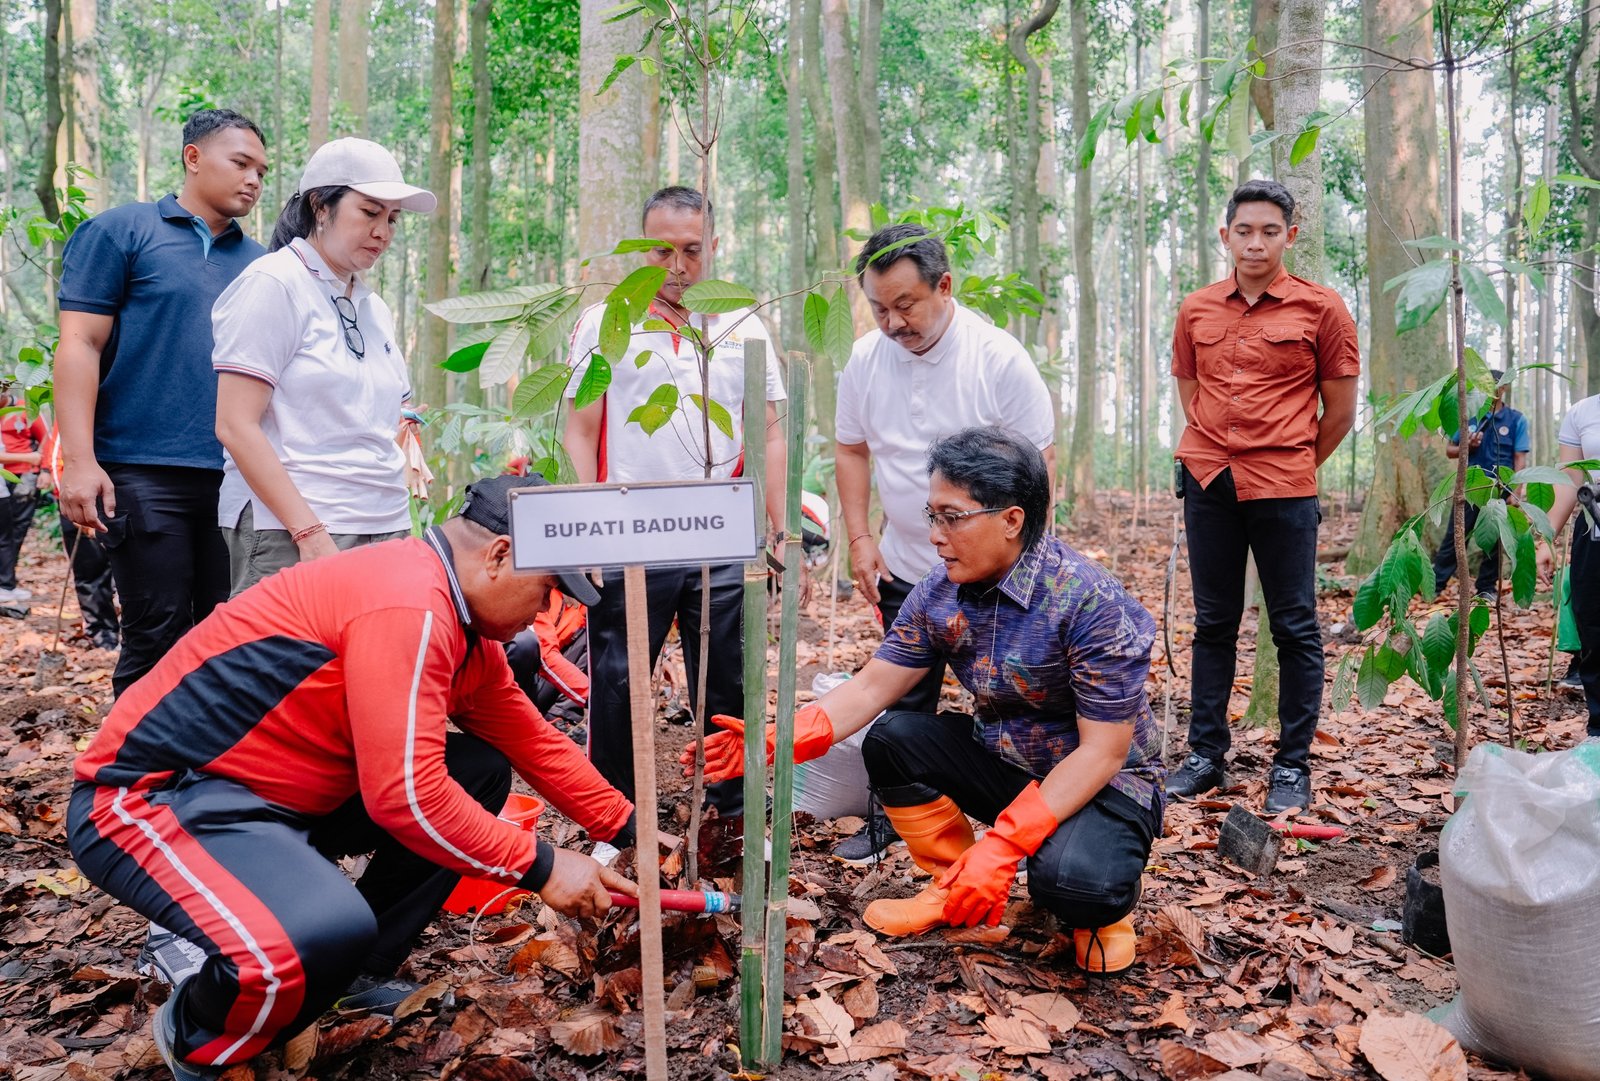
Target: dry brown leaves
[1409,1047]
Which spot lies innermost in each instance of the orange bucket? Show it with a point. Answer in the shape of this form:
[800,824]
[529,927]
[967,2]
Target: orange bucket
[484,896]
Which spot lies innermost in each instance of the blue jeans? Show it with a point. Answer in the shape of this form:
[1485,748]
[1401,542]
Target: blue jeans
[1282,534]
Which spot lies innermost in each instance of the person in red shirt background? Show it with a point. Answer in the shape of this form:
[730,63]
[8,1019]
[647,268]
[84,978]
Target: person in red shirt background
[21,440]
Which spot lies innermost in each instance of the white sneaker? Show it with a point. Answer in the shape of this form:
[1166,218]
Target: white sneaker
[15,596]
[168,956]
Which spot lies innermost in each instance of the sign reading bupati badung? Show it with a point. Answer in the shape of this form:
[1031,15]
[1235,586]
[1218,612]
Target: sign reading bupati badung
[613,525]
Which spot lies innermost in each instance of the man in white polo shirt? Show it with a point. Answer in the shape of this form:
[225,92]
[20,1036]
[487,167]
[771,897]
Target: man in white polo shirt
[931,368]
[605,446]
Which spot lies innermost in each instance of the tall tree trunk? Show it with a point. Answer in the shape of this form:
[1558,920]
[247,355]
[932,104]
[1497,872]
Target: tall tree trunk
[1203,225]
[277,117]
[44,187]
[1544,382]
[614,176]
[1079,466]
[482,146]
[1402,179]
[871,21]
[1144,308]
[1583,71]
[354,17]
[435,338]
[1026,176]
[1264,28]
[795,206]
[321,31]
[848,124]
[824,164]
[86,102]
[1513,198]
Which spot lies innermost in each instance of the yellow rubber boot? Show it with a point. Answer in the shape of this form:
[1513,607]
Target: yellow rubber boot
[1106,951]
[935,834]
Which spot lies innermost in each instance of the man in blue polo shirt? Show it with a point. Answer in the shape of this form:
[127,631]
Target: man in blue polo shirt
[1499,438]
[135,395]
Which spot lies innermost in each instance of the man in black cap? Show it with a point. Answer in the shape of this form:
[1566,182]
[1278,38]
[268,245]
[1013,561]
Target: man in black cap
[305,720]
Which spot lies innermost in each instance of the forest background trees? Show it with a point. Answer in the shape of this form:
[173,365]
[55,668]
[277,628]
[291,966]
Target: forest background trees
[833,106]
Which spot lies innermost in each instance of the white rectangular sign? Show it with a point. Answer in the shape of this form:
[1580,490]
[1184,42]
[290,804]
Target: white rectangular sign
[612,525]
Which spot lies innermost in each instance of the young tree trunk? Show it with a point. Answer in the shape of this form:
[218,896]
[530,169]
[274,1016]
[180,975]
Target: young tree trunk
[871,22]
[321,31]
[354,17]
[1402,178]
[435,338]
[86,102]
[848,124]
[1026,178]
[824,165]
[795,204]
[1205,229]
[1544,382]
[1583,72]
[1078,471]
[44,186]
[1513,197]
[482,146]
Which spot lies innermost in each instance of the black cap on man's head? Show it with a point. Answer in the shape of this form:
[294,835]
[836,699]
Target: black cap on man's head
[488,503]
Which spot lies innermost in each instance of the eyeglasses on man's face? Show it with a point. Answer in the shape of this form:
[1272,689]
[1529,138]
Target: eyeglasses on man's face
[352,332]
[948,520]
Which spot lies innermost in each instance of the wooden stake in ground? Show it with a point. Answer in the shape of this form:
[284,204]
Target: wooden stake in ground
[644,793]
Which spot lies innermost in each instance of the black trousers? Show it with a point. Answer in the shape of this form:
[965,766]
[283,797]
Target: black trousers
[256,886]
[16,516]
[167,557]
[1585,573]
[1444,560]
[1282,535]
[924,697]
[671,593]
[526,658]
[1086,873]
[91,579]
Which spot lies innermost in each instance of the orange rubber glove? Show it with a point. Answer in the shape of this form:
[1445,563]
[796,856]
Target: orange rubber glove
[813,735]
[980,879]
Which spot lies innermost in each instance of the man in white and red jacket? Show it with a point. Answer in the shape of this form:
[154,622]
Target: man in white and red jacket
[306,719]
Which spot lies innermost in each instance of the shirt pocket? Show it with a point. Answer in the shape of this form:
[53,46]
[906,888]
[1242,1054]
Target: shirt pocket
[1286,348]
[1213,349]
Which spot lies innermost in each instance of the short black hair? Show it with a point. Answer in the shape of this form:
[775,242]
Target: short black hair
[298,218]
[997,468]
[677,197]
[205,123]
[1261,191]
[933,262]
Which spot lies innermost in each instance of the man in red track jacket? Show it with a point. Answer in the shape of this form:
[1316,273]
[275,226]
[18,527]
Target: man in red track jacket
[307,719]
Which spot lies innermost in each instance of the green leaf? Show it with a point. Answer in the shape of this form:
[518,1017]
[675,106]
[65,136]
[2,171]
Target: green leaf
[1480,489]
[504,356]
[1344,681]
[841,330]
[657,326]
[1091,135]
[1577,181]
[1491,523]
[616,329]
[1537,207]
[1451,702]
[719,415]
[1477,623]
[624,62]
[1539,474]
[816,320]
[1304,144]
[1439,641]
[466,359]
[715,297]
[657,410]
[1524,570]
[540,390]
[1481,291]
[642,357]
[1422,291]
[1436,243]
[596,378]
[550,326]
[1391,665]
[1369,602]
[493,306]
[1370,684]
[637,290]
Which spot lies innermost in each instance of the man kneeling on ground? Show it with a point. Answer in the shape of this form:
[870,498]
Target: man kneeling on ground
[305,720]
[1063,753]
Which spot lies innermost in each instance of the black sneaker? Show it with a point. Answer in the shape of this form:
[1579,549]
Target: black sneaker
[105,640]
[168,957]
[870,843]
[380,996]
[1197,776]
[1288,787]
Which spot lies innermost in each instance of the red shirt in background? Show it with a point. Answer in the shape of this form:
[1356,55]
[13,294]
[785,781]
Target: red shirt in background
[18,435]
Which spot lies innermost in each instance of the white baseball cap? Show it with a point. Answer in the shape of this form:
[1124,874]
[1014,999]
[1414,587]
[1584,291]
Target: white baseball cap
[365,166]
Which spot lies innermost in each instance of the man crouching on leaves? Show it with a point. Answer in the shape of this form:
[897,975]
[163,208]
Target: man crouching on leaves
[305,720]
[1063,754]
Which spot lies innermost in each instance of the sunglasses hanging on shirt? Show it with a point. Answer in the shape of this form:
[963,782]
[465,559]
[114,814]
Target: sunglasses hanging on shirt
[352,332]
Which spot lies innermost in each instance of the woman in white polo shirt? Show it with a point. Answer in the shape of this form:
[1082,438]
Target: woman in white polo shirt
[311,381]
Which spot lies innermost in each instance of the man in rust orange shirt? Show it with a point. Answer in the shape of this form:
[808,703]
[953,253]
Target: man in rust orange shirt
[1253,355]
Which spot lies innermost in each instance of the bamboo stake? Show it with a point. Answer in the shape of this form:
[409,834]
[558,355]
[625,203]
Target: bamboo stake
[751,959]
[644,790]
[783,752]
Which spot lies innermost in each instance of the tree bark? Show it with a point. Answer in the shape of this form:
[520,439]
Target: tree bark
[848,124]
[321,31]
[86,102]
[354,17]
[1204,227]
[871,21]
[613,174]
[1026,177]
[795,204]
[1402,179]
[44,186]
[1545,382]
[1079,467]
[482,146]
[435,338]
[1264,28]
[824,164]
[1586,153]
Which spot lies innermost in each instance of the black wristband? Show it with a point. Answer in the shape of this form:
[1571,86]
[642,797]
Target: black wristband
[543,861]
[628,835]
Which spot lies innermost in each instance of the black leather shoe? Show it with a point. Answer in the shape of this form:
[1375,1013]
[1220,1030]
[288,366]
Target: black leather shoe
[1288,787]
[1197,776]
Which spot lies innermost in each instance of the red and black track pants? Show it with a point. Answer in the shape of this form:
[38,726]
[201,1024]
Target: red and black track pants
[256,886]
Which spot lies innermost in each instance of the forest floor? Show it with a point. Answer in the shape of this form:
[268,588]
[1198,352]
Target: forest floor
[1301,974]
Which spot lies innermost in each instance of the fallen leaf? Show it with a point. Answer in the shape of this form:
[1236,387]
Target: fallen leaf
[342,1039]
[803,908]
[861,1001]
[552,953]
[1017,1036]
[1190,934]
[1381,878]
[1053,1008]
[1174,1013]
[830,1024]
[876,1041]
[64,883]
[418,1000]
[1181,1063]
[1411,1048]
[298,1052]
[587,1033]
[1236,1048]
[492,1068]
